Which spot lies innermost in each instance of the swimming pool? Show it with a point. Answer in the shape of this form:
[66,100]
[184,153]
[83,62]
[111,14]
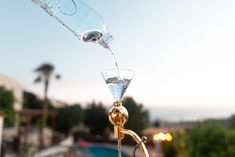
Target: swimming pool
[101,151]
[76,151]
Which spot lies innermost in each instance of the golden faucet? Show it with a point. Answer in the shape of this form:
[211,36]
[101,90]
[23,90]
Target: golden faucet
[118,116]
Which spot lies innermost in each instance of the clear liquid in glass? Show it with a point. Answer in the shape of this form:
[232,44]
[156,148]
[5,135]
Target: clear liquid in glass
[117,86]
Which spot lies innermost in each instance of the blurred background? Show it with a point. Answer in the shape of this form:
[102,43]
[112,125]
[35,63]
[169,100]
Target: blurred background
[181,98]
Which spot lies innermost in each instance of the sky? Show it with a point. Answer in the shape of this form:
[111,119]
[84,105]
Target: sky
[182,53]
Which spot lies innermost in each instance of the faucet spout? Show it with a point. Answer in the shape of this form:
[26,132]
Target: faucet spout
[138,140]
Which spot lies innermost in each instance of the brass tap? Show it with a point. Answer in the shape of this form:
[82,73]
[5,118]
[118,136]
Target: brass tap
[118,116]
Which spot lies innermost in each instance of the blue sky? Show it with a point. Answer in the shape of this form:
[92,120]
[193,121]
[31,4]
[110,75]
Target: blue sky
[181,51]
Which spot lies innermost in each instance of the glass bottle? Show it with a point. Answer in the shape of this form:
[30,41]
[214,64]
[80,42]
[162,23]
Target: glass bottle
[79,18]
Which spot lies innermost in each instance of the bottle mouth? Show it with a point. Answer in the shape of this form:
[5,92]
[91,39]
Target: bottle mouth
[106,40]
[95,36]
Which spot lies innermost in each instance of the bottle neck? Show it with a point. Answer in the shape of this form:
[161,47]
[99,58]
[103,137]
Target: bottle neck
[106,40]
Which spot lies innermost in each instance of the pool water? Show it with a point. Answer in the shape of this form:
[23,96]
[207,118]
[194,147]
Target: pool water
[99,151]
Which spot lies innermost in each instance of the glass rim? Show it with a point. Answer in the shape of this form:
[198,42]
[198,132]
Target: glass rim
[122,73]
[120,69]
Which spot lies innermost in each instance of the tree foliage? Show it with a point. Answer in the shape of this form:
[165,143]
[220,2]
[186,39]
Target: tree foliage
[31,101]
[7,106]
[207,140]
[68,117]
[96,118]
[232,121]
[138,116]
[230,140]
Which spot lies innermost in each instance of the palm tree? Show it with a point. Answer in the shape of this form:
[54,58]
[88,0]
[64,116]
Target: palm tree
[45,72]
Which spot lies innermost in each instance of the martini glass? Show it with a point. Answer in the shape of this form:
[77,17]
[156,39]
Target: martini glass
[118,81]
